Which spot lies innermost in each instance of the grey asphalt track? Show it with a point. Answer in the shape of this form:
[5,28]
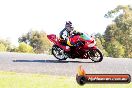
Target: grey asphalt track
[49,65]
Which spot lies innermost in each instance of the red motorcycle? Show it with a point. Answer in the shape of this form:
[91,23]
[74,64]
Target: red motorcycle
[85,47]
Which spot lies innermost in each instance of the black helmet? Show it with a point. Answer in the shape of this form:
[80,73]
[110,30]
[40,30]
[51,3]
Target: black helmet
[67,24]
[70,22]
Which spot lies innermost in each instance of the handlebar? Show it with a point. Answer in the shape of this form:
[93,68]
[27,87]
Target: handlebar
[77,33]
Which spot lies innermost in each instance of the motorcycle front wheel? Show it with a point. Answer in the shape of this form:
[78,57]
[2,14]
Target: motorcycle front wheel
[59,53]
[95,55]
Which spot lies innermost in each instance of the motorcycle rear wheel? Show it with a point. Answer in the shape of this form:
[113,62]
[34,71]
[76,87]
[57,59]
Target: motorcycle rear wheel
[59,53]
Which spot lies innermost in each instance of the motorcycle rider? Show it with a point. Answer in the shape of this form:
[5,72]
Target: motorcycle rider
[66,32]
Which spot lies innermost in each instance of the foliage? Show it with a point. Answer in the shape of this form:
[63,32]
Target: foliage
[115,49]
[13,48]
[38,40]
[6,44]
[121,29]
[24,48]
[2,47]
[100,43]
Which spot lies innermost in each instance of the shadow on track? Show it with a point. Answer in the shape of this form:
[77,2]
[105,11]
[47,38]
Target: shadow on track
[50,61]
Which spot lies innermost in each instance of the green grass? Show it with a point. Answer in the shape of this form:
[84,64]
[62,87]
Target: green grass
[25,80]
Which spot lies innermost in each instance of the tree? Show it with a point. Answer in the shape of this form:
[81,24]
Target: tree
[115,49]
[100,46]
[38,40]
[6,43]
[2,47]
[121,28]
[100,43]
[24,48]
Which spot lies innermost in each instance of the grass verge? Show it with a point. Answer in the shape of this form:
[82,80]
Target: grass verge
[25,80]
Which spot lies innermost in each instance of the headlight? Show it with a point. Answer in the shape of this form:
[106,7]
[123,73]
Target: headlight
[92,43]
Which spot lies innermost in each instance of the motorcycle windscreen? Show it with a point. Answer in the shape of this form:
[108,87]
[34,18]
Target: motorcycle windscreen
[85,36]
